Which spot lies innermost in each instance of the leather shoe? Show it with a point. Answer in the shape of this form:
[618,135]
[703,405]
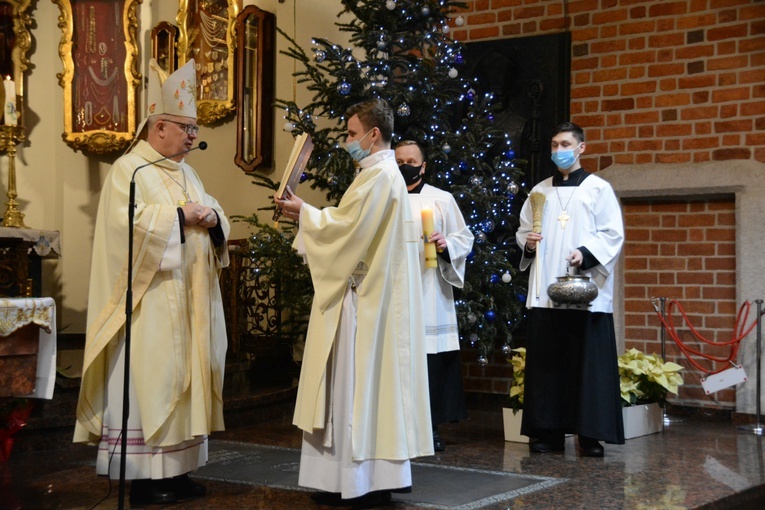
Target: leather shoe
[372,499]
[327,498]
[186,488]
[589,447]
[438,442]
[152,492]
[545,446]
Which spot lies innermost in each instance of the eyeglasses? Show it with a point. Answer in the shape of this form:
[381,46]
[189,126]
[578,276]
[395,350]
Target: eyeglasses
[190,129]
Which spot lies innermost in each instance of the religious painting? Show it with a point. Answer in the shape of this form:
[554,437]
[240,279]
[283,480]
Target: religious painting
[15,41]
[206,35]
[256,53]
[100,79]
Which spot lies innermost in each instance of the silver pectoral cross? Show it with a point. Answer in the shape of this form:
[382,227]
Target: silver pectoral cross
[563,218]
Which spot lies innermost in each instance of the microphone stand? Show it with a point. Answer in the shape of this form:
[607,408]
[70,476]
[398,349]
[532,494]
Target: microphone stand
[128,321]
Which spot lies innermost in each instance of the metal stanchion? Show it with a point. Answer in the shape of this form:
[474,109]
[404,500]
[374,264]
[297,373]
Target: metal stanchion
[757,427]
[668,420]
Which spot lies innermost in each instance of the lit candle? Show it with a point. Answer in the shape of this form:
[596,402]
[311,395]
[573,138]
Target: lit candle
[427,229]
[9,108]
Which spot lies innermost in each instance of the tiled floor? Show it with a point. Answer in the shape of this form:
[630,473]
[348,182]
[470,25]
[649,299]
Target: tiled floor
[693,464]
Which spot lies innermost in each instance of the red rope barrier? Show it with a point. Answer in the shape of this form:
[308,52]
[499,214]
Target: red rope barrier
[739,333]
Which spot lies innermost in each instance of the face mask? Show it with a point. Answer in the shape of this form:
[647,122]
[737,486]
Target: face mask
[355,150]
[565,159]
[411,173]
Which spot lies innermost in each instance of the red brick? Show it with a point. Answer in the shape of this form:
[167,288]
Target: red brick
[635,58]
[737,62]
[706,112]
[695,21]
[617,74]
[485,18]
[728,110]
[618,104]
[695,51]
[651,117]
[638,27]
[696,81]
[721,234]
[667,9]
[737,94]
[667,100]
[658,70]
[667,130]
[731,140]
[664,40]
[668,84]
[484,33]
[700,143]
[728,32]
[733,126]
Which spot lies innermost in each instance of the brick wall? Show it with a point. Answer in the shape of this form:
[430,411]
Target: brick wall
[654,82]
[686,251]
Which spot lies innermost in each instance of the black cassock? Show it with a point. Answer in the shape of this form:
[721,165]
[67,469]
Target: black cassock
[572,377]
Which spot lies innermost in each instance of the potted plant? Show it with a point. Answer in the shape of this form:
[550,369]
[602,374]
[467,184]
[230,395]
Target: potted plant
[645,382]
[512,415]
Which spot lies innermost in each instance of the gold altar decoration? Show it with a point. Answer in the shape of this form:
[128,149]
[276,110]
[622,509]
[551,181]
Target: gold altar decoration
[206,34]
[15,41]
[99,51]
[10,136]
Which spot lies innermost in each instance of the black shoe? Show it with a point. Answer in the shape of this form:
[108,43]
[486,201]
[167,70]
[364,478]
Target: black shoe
[589,447]
[152,492]
[186,488]
[374,499]
[328,498]
[547,443]
[438,442]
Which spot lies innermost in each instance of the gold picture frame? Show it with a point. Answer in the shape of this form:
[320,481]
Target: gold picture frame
[256,55]
[206,34]
[99,51]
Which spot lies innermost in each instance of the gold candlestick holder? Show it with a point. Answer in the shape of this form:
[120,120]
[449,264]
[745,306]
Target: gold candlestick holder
[10,136]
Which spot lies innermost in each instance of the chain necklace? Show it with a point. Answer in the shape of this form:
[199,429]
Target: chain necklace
[181,203]
[563,217]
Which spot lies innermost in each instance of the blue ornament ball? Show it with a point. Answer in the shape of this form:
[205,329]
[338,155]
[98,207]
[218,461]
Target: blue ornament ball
[303,177]
[510,154]
[490,315]
[458,58]
[494,278]
[522,298]
[344,88]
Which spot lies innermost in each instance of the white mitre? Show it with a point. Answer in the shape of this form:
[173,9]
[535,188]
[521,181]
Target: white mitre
[173,94]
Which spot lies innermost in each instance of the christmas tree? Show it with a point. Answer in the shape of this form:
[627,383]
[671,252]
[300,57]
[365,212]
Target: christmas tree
[401,52]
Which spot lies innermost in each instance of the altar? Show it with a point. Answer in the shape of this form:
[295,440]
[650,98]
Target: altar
[27,347]
[21,253]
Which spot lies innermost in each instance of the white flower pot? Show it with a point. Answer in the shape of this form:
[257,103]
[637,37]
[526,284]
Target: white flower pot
[642,420]
[513,426]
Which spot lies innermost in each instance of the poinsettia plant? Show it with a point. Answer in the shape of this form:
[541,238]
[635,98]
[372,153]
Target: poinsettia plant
[647,378]
[518,360]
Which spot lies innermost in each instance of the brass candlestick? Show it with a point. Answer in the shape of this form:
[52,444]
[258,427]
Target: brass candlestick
[10,136]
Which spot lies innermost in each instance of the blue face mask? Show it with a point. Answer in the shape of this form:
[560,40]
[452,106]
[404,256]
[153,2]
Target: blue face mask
[565,159]
[355,150]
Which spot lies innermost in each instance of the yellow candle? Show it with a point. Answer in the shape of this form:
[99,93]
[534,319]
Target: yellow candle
[427,229]
[9,108]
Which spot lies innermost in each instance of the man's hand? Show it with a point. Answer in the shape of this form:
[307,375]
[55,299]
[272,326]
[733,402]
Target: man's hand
[198,214]
[290,204]
[575,258]
[532,240]
[436,237]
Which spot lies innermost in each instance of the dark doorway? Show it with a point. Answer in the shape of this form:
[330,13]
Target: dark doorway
[530,77]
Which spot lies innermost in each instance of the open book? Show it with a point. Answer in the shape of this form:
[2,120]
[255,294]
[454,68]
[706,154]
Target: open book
[301,151]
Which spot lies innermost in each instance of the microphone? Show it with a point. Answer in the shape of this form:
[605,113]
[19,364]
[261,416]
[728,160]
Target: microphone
[202,146]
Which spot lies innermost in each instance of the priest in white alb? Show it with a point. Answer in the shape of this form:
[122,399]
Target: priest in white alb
[363,393]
